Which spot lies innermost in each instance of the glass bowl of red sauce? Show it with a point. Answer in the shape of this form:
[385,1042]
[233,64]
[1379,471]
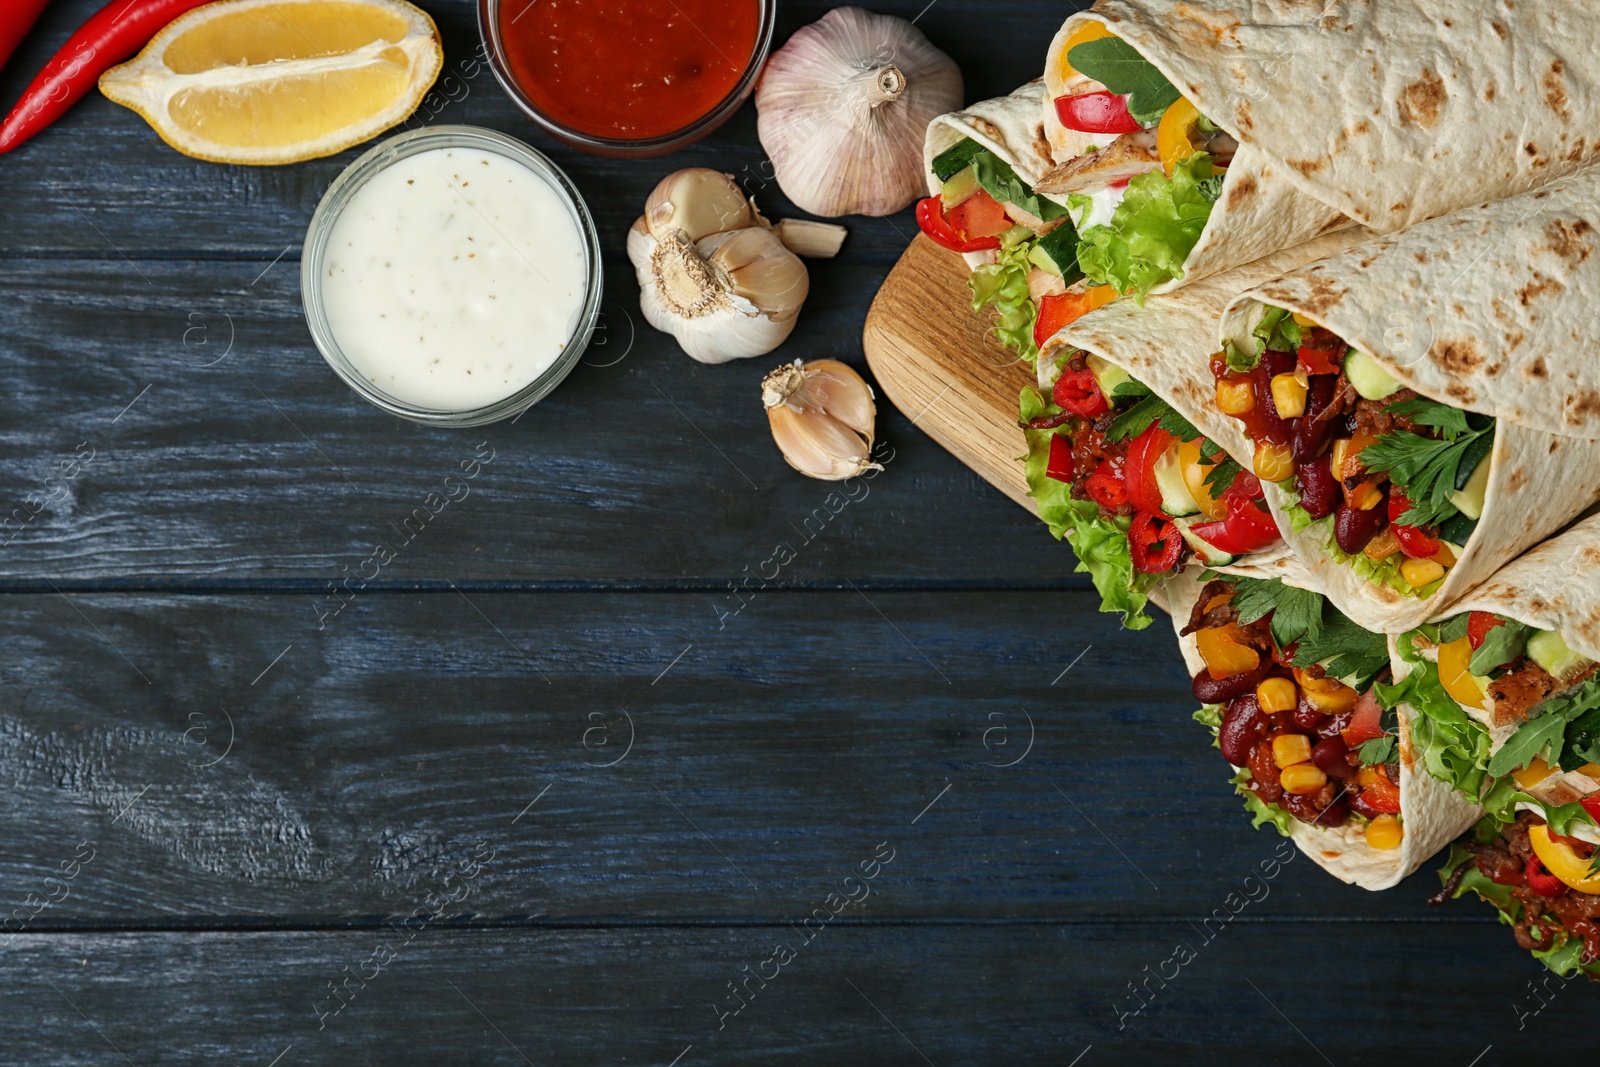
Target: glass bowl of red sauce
[627,77]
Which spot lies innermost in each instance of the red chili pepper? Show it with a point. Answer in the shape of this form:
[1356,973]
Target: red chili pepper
[1060,466]
[1144,452]
[1413,542]
[16,19]
[1479,623]
[1077,391]
[1154,544]
[1247,528]
[1543,882]
[967,228]
[1106,486]
[1321,351]
[113,34]
[1102,112]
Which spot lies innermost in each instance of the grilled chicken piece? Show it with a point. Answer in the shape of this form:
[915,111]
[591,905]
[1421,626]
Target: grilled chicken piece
[1127,157]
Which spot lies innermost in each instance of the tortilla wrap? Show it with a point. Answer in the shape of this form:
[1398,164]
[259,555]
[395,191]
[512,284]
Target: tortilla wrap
[1431,811]
[1257,212]
[1490,310]
[1389,113]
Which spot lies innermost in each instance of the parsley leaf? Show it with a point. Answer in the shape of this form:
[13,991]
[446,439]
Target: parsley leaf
[1378,750]
[1129,389]
[1115,64]
[1151,411]
[1221,475]
[1345,650]
[1425,468]
[1295,612]
[1424,412]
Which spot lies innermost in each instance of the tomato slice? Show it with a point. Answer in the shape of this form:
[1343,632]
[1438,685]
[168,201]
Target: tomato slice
[1102,112]
[1060,466]
[1154,544]
[947,231]
[1382,795]
[1479,623]
[1321,351]
[1246,486]
[1106,486]
[1077,391]
[1248,528]
[1366,722]
[1060,310]
[1413,541]
[1143,454]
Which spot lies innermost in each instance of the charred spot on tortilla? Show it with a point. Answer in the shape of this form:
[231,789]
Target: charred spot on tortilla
[1541,285]
[1586,404]
[1460,393]
[987,128]
[1242,190]
[1494,369]
[1591,554]
[1489,93]
[1515,341]
[1423,100]
[1537,369]
[1566,240]
[1242,114]
[1500,29]
[1041,143]
[1308,167]
[1555,94]
[1519,480]
[1337,222]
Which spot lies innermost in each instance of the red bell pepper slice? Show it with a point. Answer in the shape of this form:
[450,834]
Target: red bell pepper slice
[1246,486]
[1060,466]
[1479,623]
[1248,528]
[966,228]
[1543,882]
[1106,486]
[1366,722]
[1591,804]
[1143,454]
[1102,112]
[1154,544]
[1413,542]
[1321,351]
[1077,391]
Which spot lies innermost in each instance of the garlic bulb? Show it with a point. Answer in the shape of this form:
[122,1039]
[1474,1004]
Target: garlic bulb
[822,418]
[843,108]
[712,272]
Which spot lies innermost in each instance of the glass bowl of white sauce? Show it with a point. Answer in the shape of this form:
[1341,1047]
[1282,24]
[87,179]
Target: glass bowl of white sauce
[451,276]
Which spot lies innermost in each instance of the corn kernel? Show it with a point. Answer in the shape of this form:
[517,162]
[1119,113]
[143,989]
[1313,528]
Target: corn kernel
[1332,701]
[1384,545]
[1290,749]
[1420,572]
[1301,321]
[1275,695]
[1236,397]
[1289,395]
[1385,833]
[1531,775]
[1302,778]
[1273,463]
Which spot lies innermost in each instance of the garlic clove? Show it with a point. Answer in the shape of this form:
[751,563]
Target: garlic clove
[843,108]
[759,268]
[813,240]
[699,202]
[822,416]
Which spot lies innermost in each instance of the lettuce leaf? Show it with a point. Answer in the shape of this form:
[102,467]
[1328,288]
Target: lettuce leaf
[1454,747]
[1153,231]
[1101,545]
[1004,284]
[1260,811]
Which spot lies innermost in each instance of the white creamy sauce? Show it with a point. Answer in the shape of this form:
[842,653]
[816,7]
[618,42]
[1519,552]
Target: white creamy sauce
[453,278]
[1102,205]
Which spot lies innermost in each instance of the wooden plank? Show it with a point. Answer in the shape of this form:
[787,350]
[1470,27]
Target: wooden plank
[1014,994]
[1036,759]
[939,365]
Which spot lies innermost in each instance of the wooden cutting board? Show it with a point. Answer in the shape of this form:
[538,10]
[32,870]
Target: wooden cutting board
[934,359]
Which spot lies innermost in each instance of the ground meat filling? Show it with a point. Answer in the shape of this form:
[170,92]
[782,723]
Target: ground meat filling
[1202,619]
[1543,919]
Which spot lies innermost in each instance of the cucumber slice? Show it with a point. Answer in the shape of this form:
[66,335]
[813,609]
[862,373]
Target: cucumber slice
[1549,650]
[956,158]
[1208,555]
[1469,494]
[1059,248]
[1176,500]
[1369,379]
[1106,375]
[961,187]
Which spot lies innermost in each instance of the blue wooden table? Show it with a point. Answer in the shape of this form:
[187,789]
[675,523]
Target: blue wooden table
[546,789]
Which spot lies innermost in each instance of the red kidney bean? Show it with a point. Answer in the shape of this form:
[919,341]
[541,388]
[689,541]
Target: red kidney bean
[1264,775]
[1209,690]
[1335,725]
[1242,726]
[1306,716]
[1273,426]
[1353,528]
[1319,489]
[1311,434]
[1333,756]
[1316,810]
[1345,426]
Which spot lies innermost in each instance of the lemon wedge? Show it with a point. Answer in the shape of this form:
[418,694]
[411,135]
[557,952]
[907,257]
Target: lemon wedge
[279,81]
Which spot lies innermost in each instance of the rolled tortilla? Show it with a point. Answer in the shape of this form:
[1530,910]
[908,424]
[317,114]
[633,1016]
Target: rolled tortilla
[1386,113]
[1432,812]
[1257,213]
[1489,310]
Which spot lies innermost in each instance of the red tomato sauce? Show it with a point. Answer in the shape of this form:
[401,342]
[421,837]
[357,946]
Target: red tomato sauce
[628,69]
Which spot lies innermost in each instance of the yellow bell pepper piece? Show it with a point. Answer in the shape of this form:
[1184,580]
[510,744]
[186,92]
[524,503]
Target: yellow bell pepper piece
[1561,861]
[1459,682]
[1531,775]
[1175,136]
[1225,651]
[1194,476]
